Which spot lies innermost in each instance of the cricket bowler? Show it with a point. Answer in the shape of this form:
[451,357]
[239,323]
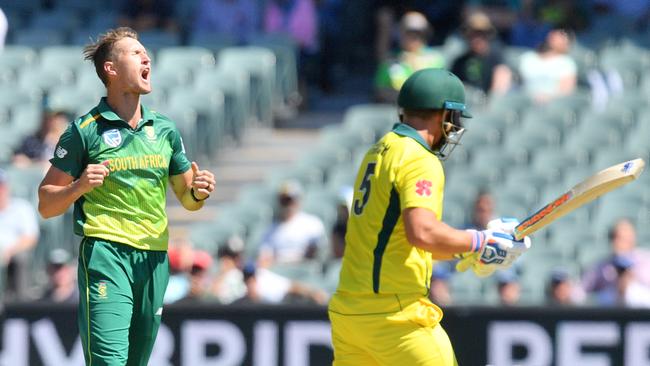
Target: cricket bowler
[114,164]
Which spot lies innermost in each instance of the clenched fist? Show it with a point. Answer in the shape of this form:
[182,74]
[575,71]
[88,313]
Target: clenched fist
[93,176]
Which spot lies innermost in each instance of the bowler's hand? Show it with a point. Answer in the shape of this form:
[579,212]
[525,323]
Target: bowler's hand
[202,182]
[93,176]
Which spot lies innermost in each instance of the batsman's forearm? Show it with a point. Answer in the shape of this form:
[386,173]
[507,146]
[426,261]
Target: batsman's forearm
[442,240]
[54,200]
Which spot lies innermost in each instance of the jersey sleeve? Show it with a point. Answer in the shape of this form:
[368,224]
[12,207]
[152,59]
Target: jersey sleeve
[420,183]
[178,163]
[69,154]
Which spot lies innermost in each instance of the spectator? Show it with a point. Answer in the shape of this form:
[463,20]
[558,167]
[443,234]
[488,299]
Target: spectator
[295,236]
[181,258]
[237,18]
[602,279]
[264,286]
[482,65]
[199,278]
[340,226]
[439,288]
[483,211]
[503,13]
[413,56]
[549,72]
[508,287]
[630,292]
[561,290]
[229,283]
[39,147]
[296,18]
[147,15]
[62,286]
[20,231]
[4,28]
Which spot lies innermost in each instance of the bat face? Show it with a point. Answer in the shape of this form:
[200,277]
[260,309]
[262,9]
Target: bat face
[582,193]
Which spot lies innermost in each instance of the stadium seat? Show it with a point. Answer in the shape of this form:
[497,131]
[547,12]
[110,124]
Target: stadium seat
[43,79]
[25,119]
[533,135]
[156,40]
[591,136]
[260,63]
[298,271]
[465,288]
[235,85]
[15,57]
[38,38]
[53,58]
[212,41]
[511,105]
[209,107]
[286,54]
[377,118]
[72,100]
[321,203]
[61,20]
[87,79]
[184,58]
[24,182]
[11,97]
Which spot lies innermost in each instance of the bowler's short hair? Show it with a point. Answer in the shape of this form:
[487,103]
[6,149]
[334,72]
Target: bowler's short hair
[101,50]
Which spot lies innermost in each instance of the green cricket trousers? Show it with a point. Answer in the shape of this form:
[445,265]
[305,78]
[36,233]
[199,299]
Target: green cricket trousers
[121,291]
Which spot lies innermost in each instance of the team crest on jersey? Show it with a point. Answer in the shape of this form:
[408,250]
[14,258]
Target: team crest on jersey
[150,132]
[112,138]
[423,187]
[102,290]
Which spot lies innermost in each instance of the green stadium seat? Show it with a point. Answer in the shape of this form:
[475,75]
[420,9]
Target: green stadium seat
[552,162]
[465,288]
[24,182]
[378,118]
[321,203]
[331,275]
[156,40]
[185,58]
[212,41]
[72,100]
[235,85]
[260,63]
[509,106]
[185,119]
[163,80]
[16,57]
[530,137]
[286,53]
[53,58]
[87,79]
[38,38]
[209,107]
[25,119]
[606,158]
[11,97]
[453,213]
[590,137]
[44,79]
[342,176]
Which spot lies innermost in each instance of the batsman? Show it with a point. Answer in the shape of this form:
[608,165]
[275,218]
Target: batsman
[380,313]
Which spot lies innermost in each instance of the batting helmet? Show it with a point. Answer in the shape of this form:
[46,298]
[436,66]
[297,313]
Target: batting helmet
[433,89]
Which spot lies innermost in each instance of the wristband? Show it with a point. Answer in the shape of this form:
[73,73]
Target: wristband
[195,198]
[477,240]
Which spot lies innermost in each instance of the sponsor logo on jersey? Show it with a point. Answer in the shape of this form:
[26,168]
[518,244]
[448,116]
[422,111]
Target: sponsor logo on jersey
[137,162]
[112,138]
[150,132]
[423,187]
[60,152]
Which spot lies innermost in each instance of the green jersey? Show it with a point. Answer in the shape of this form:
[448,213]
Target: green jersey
[129,208]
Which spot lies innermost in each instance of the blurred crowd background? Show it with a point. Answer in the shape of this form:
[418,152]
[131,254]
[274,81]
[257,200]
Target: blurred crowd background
[558,89]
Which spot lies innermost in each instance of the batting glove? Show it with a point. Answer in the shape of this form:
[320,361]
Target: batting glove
[492,250]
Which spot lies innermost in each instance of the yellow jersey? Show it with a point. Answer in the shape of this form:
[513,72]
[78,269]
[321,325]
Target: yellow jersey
[397,172]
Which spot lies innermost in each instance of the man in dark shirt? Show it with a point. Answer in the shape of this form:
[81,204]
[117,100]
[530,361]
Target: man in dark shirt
[482,65]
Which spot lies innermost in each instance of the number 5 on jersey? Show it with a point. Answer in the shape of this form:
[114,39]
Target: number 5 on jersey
[365,188]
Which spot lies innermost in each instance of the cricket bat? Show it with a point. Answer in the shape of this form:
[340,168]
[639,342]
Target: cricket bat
[584,192]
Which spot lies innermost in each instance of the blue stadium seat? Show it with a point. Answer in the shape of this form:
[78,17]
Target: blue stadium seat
[286,54]
[54,58]
[72,100]
[16,57]
[184,58]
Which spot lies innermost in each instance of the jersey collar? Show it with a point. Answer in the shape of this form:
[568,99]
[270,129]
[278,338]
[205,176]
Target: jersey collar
[107,113]
[405,130]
